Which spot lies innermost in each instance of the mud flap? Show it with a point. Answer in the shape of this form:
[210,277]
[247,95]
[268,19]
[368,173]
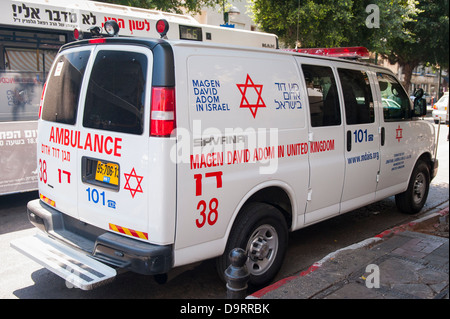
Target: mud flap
[75,267]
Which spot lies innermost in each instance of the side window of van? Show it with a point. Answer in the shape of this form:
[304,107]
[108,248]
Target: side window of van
[357,97]
[322,95]
[395,101]
[116,92]
[63,88]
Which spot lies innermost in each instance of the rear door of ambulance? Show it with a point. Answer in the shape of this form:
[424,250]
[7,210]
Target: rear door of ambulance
[106,180]
[59,131]
[113,149]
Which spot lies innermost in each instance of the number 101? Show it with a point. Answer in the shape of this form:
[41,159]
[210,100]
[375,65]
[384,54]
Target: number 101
[95,196]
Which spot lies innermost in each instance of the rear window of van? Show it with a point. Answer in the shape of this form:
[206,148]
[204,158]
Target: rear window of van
[116,92]
[63,88]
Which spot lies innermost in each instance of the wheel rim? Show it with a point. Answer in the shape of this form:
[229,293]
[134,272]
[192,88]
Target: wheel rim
[262,248]
[419,188]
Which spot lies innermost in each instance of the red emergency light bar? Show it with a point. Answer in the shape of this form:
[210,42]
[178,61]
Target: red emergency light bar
[345,52]
[97,40]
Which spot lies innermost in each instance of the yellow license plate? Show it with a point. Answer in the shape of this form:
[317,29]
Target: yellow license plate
[107,173]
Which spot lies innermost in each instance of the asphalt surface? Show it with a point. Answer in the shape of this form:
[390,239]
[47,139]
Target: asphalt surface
[410,261]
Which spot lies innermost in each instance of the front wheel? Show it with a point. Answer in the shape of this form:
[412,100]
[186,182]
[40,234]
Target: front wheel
[413,199]
[262,232]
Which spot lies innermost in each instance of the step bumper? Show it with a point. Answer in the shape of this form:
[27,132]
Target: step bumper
[76,268]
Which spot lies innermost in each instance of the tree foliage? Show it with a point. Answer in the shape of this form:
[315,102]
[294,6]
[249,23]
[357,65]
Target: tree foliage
[330,23]
[175,6]
[410,32]
[428,43]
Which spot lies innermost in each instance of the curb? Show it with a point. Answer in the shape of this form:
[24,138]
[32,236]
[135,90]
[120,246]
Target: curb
[428,219]
[313,267]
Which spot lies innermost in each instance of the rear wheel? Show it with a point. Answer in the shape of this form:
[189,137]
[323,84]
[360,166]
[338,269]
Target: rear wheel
[413,199]
[262,232]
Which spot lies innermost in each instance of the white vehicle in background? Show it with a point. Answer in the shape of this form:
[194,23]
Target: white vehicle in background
[440,109]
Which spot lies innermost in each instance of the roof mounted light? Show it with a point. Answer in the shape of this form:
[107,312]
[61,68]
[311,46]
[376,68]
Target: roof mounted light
[112,28]
[344,52]
[95,31]
[78,34]
[97,41]
[162,26]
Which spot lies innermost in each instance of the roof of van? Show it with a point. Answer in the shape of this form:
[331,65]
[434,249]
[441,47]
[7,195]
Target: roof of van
[268,50]
[152,43]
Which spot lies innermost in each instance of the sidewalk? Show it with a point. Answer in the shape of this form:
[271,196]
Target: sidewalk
[405,262]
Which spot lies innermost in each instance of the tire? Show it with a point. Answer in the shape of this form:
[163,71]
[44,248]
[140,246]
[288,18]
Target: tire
[413,199]
[262,232]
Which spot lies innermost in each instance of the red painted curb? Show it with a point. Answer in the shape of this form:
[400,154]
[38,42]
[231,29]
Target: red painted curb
[281,282]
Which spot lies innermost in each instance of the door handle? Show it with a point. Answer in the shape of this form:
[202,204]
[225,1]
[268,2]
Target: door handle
[349,141]
[383,135]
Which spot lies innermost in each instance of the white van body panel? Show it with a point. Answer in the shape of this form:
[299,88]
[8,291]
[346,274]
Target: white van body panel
[405,142]
[216,81]
[405,145]
[330,182]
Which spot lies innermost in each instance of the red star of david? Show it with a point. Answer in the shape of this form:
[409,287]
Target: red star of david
[138,188]
[399,133]
[244,101]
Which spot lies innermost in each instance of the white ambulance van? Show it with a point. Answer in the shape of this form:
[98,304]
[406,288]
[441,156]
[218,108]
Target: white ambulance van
[154,154]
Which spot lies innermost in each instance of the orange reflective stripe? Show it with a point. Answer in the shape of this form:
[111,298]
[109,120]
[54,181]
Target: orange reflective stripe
[129,232]
[47,200]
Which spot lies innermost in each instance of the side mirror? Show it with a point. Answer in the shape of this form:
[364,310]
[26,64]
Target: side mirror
[419,93]
[420,106]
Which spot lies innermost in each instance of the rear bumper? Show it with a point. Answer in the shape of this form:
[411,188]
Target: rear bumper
[109,248]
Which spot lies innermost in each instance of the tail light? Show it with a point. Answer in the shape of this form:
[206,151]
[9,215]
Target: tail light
[435,107]
[41,103]
[162,111]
